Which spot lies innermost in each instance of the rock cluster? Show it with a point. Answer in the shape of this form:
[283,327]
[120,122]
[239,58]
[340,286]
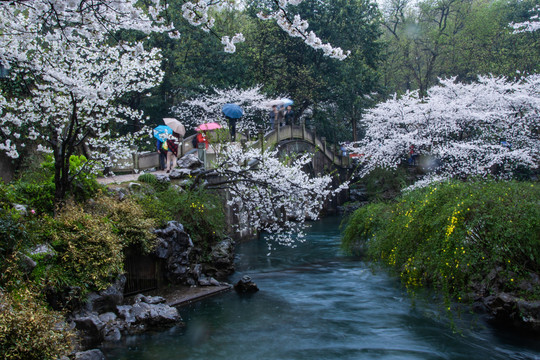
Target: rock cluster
[105,318]
[182,259]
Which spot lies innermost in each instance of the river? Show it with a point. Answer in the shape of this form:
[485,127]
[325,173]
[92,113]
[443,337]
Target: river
[316,303]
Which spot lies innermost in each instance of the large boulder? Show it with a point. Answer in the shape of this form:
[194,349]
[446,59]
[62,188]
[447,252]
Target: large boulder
[246,286]
[221,263]
[175,247]
[94,354]
[107,300]
[190,161]
[90,328]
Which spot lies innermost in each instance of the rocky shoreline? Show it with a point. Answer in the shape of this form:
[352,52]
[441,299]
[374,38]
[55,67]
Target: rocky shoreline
[107,315]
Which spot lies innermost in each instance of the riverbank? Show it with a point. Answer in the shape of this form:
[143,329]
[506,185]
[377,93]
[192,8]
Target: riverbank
[476,243]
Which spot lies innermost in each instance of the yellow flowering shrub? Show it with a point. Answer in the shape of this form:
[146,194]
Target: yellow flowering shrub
[452,235]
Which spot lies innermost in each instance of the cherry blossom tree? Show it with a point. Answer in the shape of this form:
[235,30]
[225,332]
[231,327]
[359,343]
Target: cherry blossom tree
[64,55]
[208,108]
[73,67]
[268,193]
[463,129]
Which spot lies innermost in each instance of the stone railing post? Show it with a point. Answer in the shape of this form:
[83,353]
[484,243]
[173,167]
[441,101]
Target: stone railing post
[261,139]
[323,139]
[303,124]
[135,157]
[201,152]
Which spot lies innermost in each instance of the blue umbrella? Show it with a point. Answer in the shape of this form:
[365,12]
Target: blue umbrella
[232,111]
[161,132]
[287,102]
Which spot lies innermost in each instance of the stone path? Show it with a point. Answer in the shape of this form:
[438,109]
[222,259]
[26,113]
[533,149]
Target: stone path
[118,179]
[178,295]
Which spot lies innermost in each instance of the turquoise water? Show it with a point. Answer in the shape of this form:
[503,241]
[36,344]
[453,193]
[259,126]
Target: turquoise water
[316,303]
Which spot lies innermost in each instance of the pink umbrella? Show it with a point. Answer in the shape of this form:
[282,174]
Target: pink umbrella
[208,126]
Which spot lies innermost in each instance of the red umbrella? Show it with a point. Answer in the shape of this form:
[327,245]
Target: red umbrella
[208,126]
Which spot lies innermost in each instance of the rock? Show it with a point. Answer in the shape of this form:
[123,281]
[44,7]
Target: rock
[108,317]
[204,281]
[190,161]
[125,313]
[162,249]
[21,209]
[107,300]
[246,286]
[155,314]
[43,250]
[27,264]
[120,193]
[134,186]
[179,173]
[90,329]
[112,333]
[94,354]
[175,247]
[163,178]
[221,263]
[149,299]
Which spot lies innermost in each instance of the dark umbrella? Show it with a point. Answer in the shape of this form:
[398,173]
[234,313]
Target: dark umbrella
[232,111]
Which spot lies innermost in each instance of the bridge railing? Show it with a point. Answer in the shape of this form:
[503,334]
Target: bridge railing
[295,132]
[147,160]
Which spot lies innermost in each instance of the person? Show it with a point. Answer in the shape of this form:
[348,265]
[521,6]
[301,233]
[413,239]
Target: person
[412,155]
[289,115]
[162,151]
[172,152]
[232,127]
[274,117]
[343,150]
[201,138]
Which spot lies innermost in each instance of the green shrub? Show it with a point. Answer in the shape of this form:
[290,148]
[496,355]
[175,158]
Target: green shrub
[29,331]
[199,211]
[128,220]
[89,252]
[452,235]
[148,178]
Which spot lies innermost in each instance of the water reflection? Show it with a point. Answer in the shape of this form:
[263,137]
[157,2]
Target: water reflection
[316,303]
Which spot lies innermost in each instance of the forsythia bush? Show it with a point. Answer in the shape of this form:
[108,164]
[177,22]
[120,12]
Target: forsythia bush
[452,235]
[28,331]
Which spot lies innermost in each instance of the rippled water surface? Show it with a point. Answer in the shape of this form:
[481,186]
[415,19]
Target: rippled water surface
[316,303]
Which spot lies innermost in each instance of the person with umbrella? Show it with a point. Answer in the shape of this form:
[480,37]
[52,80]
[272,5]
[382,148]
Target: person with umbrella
[172,151]
[161,133]
[232,113]
[289,115]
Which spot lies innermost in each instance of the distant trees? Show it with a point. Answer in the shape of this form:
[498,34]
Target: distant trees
[430,39]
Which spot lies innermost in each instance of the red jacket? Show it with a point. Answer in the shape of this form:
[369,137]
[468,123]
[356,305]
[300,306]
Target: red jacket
[201,138]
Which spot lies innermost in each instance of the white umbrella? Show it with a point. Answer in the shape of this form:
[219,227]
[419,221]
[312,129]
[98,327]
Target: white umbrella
[175,125]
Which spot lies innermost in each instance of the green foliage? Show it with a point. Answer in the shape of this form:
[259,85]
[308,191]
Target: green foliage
[386,184]
[29,331]
[81,174]
[452,235]
[128,220]
[199,211]
[89,253]
[148,178]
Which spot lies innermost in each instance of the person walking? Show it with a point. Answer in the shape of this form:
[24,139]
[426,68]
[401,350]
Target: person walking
[289,115]
[172,152]
[162,151]
[274,117]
